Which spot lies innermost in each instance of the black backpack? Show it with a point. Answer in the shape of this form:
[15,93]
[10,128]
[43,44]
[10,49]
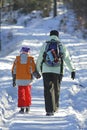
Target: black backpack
[53,54]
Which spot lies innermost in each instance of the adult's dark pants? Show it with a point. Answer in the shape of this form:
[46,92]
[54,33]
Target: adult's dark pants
[51,91]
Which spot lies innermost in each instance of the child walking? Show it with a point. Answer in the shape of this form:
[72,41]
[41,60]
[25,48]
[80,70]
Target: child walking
[22,70]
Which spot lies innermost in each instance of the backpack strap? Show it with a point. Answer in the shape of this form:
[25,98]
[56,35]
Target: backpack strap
[61,66]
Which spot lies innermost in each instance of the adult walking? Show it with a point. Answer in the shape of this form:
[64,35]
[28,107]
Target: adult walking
[52,74]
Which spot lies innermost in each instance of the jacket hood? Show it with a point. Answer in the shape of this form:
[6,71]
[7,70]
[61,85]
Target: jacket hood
[23,58]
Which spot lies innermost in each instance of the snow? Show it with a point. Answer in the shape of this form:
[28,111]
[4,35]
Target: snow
[72,113]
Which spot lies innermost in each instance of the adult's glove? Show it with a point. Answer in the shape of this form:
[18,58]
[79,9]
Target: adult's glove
[36,74]
[73,75]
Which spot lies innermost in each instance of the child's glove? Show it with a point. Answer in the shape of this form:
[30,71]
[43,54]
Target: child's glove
[73,75]
[14,79]
[14,84]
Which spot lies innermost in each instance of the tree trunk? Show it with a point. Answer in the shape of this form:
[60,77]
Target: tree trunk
[55,8]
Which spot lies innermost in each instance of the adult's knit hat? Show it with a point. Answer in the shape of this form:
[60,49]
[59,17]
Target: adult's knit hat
[25,49]
[54,32]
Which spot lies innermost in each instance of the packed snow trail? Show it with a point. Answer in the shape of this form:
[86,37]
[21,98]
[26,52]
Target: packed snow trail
[72,114]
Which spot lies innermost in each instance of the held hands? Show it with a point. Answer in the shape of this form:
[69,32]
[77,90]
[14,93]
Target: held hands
[36,74]
[73,75]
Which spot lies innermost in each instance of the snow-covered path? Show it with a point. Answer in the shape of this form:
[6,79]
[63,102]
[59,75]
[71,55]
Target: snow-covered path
[72,114]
